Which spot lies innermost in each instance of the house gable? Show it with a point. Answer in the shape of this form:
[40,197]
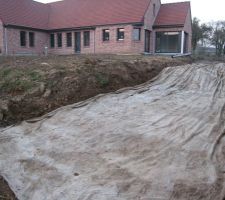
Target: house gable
[172,14]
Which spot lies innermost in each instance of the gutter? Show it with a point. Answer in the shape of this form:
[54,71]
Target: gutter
[168,26]
[6,40]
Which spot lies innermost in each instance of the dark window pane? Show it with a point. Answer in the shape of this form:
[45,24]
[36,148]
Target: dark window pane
[69,39]
[106,33]
[31,39]
[120,34]
[59,39]
[52,40]
[22,38]
[137,34]
[168,42]
[86,38]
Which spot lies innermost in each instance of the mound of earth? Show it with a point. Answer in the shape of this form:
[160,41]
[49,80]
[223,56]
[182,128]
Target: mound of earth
[33,86]
[160,140]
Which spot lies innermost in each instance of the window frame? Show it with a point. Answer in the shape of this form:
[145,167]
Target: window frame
[59,40]
[52,40]
[139,34]
[69,39]
[23,39]
[162,38]
[119,38]
[32,42]
[104,37]
[86,38]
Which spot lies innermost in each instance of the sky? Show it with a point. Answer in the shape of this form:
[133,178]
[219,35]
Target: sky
[205,10]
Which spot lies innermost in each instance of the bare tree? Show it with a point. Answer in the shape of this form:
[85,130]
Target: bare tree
[218,37]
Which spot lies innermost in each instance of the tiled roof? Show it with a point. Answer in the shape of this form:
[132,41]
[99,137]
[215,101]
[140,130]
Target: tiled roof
[80,13]
[172,14]
[26,13]
[85,13]
[71,13]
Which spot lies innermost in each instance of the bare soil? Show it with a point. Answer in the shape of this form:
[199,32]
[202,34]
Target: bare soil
[33,86]
[5,191]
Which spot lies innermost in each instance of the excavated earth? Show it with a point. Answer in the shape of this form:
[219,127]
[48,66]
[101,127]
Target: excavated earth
[162,140]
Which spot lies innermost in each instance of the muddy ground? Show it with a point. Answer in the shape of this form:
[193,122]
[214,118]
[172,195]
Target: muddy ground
[33,86]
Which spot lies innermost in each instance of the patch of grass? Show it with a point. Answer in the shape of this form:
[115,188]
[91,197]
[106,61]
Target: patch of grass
[102,79]
[34,76]
[18,80]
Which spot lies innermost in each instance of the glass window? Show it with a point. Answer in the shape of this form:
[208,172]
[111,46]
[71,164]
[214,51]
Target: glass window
[86,38]
[59,39]
[31,39]
[120,34]
[22,38]
[137,34]
[52,40]
[168,42]
[106,33]
[69,39]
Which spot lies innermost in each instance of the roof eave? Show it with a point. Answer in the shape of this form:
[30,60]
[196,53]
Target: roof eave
[169,26]
[24,27]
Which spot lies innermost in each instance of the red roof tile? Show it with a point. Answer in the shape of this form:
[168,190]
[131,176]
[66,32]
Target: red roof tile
[80,13]
[26,13]
[172,14]
[85,13]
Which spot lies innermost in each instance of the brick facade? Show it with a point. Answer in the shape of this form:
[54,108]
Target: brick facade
[149,20]
[13,42]
[128,45]
[97,45]
[188,29]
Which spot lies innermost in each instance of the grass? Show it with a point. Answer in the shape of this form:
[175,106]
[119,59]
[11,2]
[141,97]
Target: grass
[102,79]
[15,80]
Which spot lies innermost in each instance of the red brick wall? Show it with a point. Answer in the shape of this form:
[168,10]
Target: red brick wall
[71,50]
[13,41]
[149,20]
[128,45]
[97,45]
[188,29]
[1,38]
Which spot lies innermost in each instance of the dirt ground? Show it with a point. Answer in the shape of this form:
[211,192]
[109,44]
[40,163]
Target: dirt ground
[5,191]
[33,86]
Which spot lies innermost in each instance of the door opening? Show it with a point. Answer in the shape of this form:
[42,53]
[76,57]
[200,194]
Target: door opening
[77,42]
[147,41]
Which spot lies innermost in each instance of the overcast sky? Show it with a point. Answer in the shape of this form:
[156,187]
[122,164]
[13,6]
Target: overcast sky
[205,10]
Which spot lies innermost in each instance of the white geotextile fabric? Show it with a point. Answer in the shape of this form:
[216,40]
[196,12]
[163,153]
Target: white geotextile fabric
[158,141]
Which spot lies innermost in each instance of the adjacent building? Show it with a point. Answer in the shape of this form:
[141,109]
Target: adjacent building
[94,26]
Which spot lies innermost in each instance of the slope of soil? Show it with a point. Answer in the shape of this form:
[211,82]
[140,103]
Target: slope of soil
[160,140]
[5,191]
[33,86]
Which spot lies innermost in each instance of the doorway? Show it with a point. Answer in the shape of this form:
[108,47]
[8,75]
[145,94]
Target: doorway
[77,42]
[147,41]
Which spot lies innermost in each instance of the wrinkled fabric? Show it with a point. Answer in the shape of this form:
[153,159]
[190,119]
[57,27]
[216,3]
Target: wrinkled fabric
[161,140]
